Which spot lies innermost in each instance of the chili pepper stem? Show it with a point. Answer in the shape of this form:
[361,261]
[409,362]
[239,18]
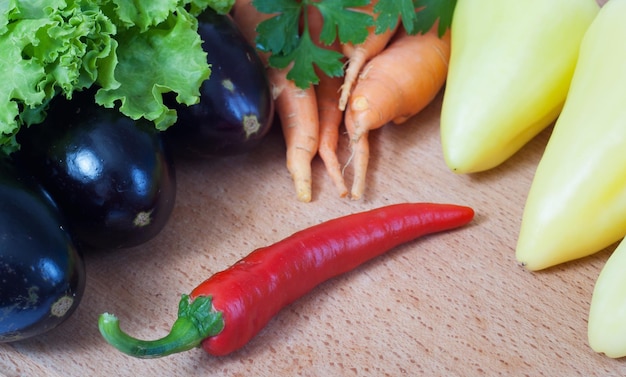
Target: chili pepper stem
[197,320]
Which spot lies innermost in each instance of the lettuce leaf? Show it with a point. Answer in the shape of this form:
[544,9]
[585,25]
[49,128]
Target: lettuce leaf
[47,48]
[149,64]
[20,77]
[133,51]
[220,6]
[143,14]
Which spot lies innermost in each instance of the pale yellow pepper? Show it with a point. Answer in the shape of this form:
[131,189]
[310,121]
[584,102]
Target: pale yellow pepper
[576,205]
[607,315]
[510,67]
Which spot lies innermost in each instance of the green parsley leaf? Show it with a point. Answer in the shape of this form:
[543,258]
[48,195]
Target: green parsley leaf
[280,33]
[282,36]
[418,16]
[350,24]
[431,11]
[304,57]
[387,12]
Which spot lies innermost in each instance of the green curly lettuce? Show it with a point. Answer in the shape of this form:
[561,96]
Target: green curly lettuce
[133,51]
[149,64]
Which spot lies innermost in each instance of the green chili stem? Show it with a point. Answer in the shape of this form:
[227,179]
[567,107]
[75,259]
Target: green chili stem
[197,320]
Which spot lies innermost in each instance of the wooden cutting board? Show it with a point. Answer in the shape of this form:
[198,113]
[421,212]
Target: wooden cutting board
[450,304]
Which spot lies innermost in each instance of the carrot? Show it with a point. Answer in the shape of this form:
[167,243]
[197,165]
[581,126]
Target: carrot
[358,55]
[330,116]
[359,158]
[330,121]
[299,119]
[247,18]
[296,107]
[393,86]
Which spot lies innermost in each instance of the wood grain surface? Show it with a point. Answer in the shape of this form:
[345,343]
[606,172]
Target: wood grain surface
[450,304]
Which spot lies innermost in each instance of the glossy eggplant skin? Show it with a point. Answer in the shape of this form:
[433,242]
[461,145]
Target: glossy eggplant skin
[110,175]
[236,108]
[42,273]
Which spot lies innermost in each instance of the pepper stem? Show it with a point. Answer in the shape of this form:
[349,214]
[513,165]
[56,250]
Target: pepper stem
[197,320]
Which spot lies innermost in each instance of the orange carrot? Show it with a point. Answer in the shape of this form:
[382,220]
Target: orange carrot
[358,55]
[395,85]
[330,120]
[330,116]
[299,119]
[296,107]
[247,17]
[359,158]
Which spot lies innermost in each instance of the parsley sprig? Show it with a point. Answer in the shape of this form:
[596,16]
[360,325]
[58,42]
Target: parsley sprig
[288,43]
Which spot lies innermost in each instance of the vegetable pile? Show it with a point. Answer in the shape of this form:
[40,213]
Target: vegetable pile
[58,47]
[398,49]
[97,97]
[84,164]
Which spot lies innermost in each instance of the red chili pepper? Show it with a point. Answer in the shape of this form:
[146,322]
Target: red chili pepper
[227,310]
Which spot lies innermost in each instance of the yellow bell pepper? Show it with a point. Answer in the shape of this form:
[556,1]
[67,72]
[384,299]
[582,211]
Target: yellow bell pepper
[607,314]
[510,68]
[576,205]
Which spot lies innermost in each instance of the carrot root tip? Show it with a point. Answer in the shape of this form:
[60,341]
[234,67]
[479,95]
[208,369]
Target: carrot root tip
[303,189]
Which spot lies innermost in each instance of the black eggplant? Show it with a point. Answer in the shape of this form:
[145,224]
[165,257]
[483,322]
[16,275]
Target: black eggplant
[236,108]
[110,175]
[42,273]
